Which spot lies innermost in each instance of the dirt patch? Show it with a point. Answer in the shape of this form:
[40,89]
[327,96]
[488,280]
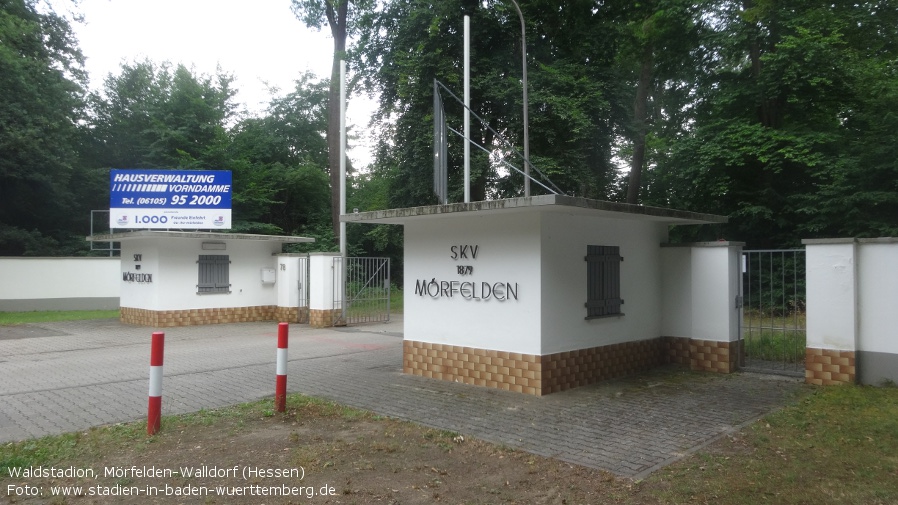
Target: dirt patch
[341,455]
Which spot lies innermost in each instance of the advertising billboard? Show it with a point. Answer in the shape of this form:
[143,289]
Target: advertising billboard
[170,199]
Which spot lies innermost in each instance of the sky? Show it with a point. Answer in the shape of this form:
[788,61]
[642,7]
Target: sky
[258,41]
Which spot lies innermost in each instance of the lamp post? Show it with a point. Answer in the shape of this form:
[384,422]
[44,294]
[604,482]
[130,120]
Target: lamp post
[524,82]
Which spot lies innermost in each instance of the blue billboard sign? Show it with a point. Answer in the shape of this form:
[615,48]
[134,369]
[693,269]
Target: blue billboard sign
[192,199]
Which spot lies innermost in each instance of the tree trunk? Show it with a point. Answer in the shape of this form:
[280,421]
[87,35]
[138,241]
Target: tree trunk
[337,21]
[769,107]
[640,127]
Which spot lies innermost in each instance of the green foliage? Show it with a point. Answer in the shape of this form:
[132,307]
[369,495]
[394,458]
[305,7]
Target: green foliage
[776,114]
[783,137]
[15,241]
[279,162]
[409,43]
[42,88]
[159,116]
[318,13]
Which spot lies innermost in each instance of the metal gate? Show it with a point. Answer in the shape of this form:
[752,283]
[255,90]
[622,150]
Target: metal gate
[366,289]
[773,328]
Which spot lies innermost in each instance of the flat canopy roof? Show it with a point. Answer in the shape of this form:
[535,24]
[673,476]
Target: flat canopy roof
[542,203]
[140,234]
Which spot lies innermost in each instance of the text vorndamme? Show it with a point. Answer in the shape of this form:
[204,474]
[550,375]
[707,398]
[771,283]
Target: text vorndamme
[468,290]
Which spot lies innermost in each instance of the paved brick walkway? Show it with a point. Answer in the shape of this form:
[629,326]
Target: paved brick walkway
[61,377]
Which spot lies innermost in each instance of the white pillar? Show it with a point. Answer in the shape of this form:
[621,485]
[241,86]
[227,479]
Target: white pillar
[832,310]
[324,268]
[292,288]
[716,276]
[701,283]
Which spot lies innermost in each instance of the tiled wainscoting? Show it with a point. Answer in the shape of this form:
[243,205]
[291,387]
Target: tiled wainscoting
[826,367]
[550,373]
[325,318]
[171,318]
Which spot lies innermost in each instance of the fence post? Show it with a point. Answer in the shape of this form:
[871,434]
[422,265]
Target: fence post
[154,408]
[280,388]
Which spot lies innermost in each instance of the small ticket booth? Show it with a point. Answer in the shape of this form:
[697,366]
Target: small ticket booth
[172,278]
[541,294]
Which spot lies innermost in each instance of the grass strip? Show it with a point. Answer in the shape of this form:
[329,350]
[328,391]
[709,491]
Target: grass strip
[838,445]
[12,318]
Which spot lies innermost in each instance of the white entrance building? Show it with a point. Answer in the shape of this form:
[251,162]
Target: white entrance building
[541,294]
[171,278]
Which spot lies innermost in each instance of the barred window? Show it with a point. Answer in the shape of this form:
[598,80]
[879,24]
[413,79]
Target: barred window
[213,274]
[603,281]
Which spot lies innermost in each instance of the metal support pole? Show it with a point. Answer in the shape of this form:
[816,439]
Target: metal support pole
[526,119]
[467,78]
[343,246]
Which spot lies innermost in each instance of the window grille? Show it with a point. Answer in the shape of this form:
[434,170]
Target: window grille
[213,274]
[603,281]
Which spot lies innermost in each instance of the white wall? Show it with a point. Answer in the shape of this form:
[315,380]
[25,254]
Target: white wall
[831,295]
[852,295]
[676,291]
[563,274]
[700,282]
[508,249]
[140,295]
[878,296]
[292,284]
[59,283]
[716,271]
[322,267]
[173,263]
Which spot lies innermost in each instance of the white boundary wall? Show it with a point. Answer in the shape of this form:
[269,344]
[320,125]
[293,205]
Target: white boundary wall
[852,295]
[700,285]
[88,283]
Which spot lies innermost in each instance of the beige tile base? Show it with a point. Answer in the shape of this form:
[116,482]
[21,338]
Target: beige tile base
[703,355]
[528,373]
[713,356]
[291,314]
[172,318]
[325,318]
[827,367]
[551,373]
[676,350]
[573,369]
[481,367]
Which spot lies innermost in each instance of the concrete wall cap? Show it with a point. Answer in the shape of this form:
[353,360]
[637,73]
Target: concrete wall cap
[719,243]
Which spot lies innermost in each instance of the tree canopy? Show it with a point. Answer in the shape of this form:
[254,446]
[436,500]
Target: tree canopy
[42,88]
[779,115]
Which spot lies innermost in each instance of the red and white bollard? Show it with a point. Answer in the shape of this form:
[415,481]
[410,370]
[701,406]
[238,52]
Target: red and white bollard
[280,389]
[154,410]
